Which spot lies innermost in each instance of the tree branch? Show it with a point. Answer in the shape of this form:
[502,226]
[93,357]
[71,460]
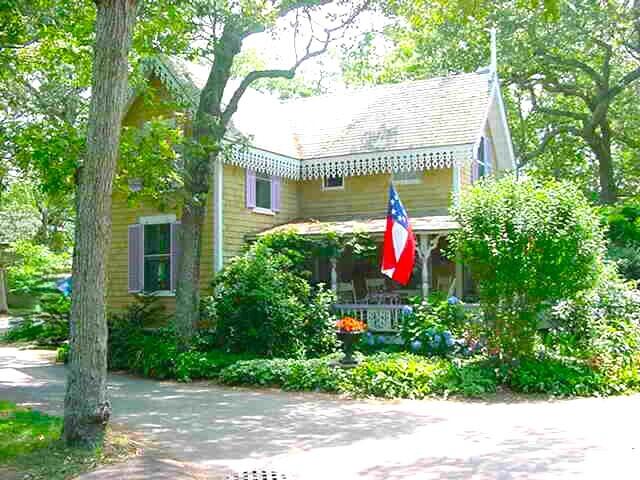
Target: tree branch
[572,64]
[550,135]
[289,73]
[581,117]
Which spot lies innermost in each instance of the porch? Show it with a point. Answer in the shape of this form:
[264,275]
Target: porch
[362,291]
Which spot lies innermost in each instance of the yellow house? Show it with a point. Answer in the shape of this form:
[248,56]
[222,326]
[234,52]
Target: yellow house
[322,164]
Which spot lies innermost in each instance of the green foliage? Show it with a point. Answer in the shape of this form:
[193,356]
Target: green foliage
[32,265]
[623,229]
[382,375]
[528,244]
[433,324]
[44,330]
[62,353]
[265,309]
[562,377]
[627,260]
[601,326]
[127,331]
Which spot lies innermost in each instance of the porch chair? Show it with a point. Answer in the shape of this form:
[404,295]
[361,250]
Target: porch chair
[374,285]
[346,292]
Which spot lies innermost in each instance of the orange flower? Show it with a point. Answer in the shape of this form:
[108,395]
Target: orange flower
[351,325]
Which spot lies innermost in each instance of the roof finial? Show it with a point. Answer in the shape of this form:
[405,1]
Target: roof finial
[494,51]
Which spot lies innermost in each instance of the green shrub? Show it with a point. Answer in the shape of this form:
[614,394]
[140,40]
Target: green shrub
[42,329]
[62,353]
[627,259]
[32,265]
[623,222]
[562,377]
[601,325]
[382,375]
[264,309]
[528,244]
[433,325]
[127,337]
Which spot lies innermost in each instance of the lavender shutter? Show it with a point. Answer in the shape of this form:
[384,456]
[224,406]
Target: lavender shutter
[250,188]
[136,258]
[275,194]
[174,257]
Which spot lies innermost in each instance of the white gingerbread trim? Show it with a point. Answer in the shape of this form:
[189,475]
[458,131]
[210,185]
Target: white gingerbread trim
[349,165]
[264,162]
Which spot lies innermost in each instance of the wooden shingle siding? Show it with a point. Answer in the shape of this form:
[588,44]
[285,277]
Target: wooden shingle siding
[240,221]
[368,196]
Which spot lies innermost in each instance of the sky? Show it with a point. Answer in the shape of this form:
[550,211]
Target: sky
[279,52]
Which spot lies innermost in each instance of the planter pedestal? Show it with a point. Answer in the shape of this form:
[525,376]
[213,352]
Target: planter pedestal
[348,339]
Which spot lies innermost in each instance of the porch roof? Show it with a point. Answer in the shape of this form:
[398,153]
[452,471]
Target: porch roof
[429,224]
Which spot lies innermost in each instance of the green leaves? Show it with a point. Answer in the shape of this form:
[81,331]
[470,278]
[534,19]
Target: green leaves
[528,244]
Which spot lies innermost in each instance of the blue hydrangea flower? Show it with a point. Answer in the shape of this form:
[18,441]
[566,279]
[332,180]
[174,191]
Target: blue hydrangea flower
[369,338]
[448,339]
[416,345]
[407,310]
[381,339]
[453,300]
[435,340]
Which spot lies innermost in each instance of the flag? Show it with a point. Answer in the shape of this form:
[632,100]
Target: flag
[399,249]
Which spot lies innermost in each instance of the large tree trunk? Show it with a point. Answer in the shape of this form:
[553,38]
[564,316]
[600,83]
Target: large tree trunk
[209,130]
[86,408]
[608,188]
[188,288]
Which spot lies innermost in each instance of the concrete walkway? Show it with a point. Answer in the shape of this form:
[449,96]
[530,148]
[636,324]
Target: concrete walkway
[208,431]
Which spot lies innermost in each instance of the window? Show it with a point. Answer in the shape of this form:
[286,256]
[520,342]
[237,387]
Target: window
[263,192]
[157,257]
[333,183]
[406,177]
[484,162]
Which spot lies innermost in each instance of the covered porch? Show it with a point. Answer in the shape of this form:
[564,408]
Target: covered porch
[362,291]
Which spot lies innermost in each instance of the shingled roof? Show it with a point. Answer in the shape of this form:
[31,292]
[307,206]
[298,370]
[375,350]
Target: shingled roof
[410,115]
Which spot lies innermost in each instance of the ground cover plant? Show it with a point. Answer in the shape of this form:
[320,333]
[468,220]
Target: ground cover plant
[30,447]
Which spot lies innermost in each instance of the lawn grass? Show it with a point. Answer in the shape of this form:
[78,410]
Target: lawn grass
[30,447]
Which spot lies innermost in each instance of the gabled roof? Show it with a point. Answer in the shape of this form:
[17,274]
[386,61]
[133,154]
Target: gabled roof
[437,112]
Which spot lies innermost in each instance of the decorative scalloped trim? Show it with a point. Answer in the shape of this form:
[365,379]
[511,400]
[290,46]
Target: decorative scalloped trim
[349,165]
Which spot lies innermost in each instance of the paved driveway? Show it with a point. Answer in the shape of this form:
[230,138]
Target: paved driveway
[313,436]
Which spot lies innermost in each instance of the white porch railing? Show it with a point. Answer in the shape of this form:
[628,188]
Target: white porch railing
[379,318]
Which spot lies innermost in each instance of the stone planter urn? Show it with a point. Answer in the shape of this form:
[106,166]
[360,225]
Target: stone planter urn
[348,339]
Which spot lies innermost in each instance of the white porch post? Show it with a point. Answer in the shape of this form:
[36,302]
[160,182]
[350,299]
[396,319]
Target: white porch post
[459,278]
[218,231]
[334,274]
[4,307]
[425,253]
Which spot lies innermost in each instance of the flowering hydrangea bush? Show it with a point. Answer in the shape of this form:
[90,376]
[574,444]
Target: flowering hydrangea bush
[434,326]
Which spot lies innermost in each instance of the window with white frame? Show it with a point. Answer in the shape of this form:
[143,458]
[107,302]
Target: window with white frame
[263,192]
[406,177]
[157,257]
[333,183]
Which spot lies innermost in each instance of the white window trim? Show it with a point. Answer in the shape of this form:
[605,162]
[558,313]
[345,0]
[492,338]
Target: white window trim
[161,293]
[408,181]
[341,187]
[157,219]
[263,211]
